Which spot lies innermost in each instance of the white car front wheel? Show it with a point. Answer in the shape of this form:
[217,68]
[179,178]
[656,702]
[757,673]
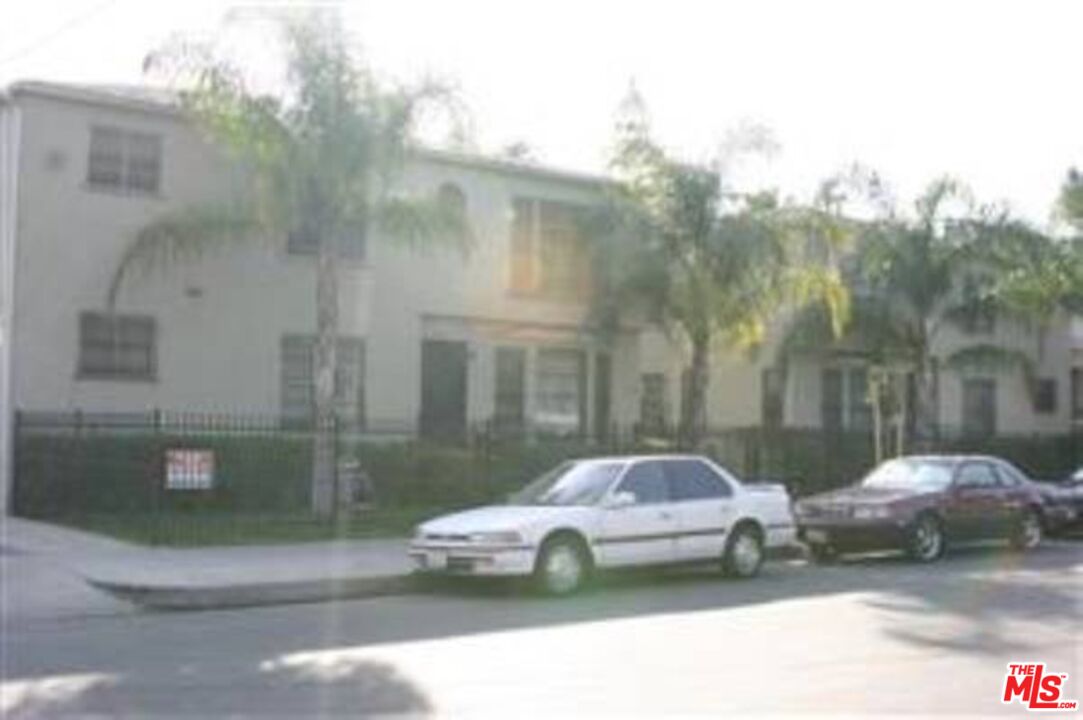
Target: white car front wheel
[561,567]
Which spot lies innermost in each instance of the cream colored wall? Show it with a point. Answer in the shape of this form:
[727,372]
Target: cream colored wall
[10,123]
[734,382]
[1015,413]
[220,320]
[1051,353]
[734,392]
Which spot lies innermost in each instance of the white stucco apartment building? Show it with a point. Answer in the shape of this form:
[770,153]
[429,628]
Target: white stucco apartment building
[432,341]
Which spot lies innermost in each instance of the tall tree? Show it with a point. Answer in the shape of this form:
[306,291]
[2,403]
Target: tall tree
[320,157]
[948,263]
[699,258]
[1070,203]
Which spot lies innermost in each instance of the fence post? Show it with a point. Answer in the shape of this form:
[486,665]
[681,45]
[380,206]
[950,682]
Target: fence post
[157,471]
[336,489]
[14,493]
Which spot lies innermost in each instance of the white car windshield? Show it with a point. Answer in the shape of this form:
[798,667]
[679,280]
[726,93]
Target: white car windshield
[915,474]
[573,483]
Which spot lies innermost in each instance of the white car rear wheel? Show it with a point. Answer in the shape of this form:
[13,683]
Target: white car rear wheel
[744,553]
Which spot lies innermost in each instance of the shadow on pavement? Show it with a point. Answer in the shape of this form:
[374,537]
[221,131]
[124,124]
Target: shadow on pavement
[342,687]
[144,656]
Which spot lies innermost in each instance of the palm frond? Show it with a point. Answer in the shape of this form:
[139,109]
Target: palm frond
[180,237]
[425,222]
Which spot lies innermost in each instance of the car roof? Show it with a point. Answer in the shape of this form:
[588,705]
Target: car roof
[952,458]
[639,458]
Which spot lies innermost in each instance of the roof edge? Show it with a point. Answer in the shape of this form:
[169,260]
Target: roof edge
[92,96]
[76,93]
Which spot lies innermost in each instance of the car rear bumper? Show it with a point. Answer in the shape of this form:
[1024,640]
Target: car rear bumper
[472,560]
[855,536]
[1062,515]
[780,536]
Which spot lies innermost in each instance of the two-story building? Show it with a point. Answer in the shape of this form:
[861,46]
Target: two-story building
[432,340]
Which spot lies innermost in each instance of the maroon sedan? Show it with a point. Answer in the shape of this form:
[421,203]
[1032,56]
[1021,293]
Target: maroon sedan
[920,505]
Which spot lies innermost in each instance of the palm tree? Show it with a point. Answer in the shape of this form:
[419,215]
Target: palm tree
[1070,202]
[320,158]
[700,259]
[948,264]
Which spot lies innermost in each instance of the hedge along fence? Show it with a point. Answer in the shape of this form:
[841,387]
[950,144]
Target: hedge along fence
[811,461]
[75,464]
[806,461]
[95,472]
[113,464]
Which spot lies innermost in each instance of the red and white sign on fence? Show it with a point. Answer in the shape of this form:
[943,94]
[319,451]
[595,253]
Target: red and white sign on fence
[189,469]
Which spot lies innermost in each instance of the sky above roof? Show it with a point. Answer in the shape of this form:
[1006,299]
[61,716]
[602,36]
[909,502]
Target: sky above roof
[986,91]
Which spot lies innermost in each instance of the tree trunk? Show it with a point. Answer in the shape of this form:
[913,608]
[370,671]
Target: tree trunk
[324,451]
[904,411]
[693,413]
[875,392]
[926,426]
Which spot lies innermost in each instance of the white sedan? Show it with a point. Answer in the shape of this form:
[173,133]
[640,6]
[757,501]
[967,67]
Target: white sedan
[612,512]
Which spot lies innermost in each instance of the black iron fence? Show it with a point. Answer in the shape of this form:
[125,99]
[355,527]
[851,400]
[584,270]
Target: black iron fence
[160,469]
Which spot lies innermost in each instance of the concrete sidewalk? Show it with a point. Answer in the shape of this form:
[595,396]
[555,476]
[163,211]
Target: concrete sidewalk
[219,576]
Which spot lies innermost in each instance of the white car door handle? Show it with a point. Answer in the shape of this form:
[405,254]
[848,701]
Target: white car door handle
[665,515]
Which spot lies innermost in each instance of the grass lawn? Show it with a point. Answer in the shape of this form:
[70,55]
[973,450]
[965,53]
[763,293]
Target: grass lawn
[191,529]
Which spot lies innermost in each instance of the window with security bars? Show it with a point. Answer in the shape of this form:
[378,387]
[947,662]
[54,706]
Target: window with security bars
[298,390]
[117,347]
[124,160]
[844,399]
[560,390]
[508,411]
[1045,396]
[653,413]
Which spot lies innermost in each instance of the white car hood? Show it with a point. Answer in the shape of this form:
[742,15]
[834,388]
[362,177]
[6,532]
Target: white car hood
[499,517]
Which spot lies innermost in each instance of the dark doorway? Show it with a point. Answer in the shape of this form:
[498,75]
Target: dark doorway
[509,412]
[443,389]
[979,407]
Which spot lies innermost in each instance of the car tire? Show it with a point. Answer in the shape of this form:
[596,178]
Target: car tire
[562,566]
[822,554]
[744,553]
[926,539]
[1027,532]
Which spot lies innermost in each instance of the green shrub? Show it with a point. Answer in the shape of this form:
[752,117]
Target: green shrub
[124,473]
[111,473]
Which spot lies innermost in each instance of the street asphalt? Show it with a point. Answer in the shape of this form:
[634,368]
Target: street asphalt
[868,636]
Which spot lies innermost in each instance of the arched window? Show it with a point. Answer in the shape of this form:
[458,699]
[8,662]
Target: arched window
[452,198]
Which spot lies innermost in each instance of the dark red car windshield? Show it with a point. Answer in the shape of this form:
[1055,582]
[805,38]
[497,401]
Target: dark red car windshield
[929,475]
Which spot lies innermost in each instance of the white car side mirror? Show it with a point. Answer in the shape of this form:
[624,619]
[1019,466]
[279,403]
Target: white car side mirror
[621,500]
